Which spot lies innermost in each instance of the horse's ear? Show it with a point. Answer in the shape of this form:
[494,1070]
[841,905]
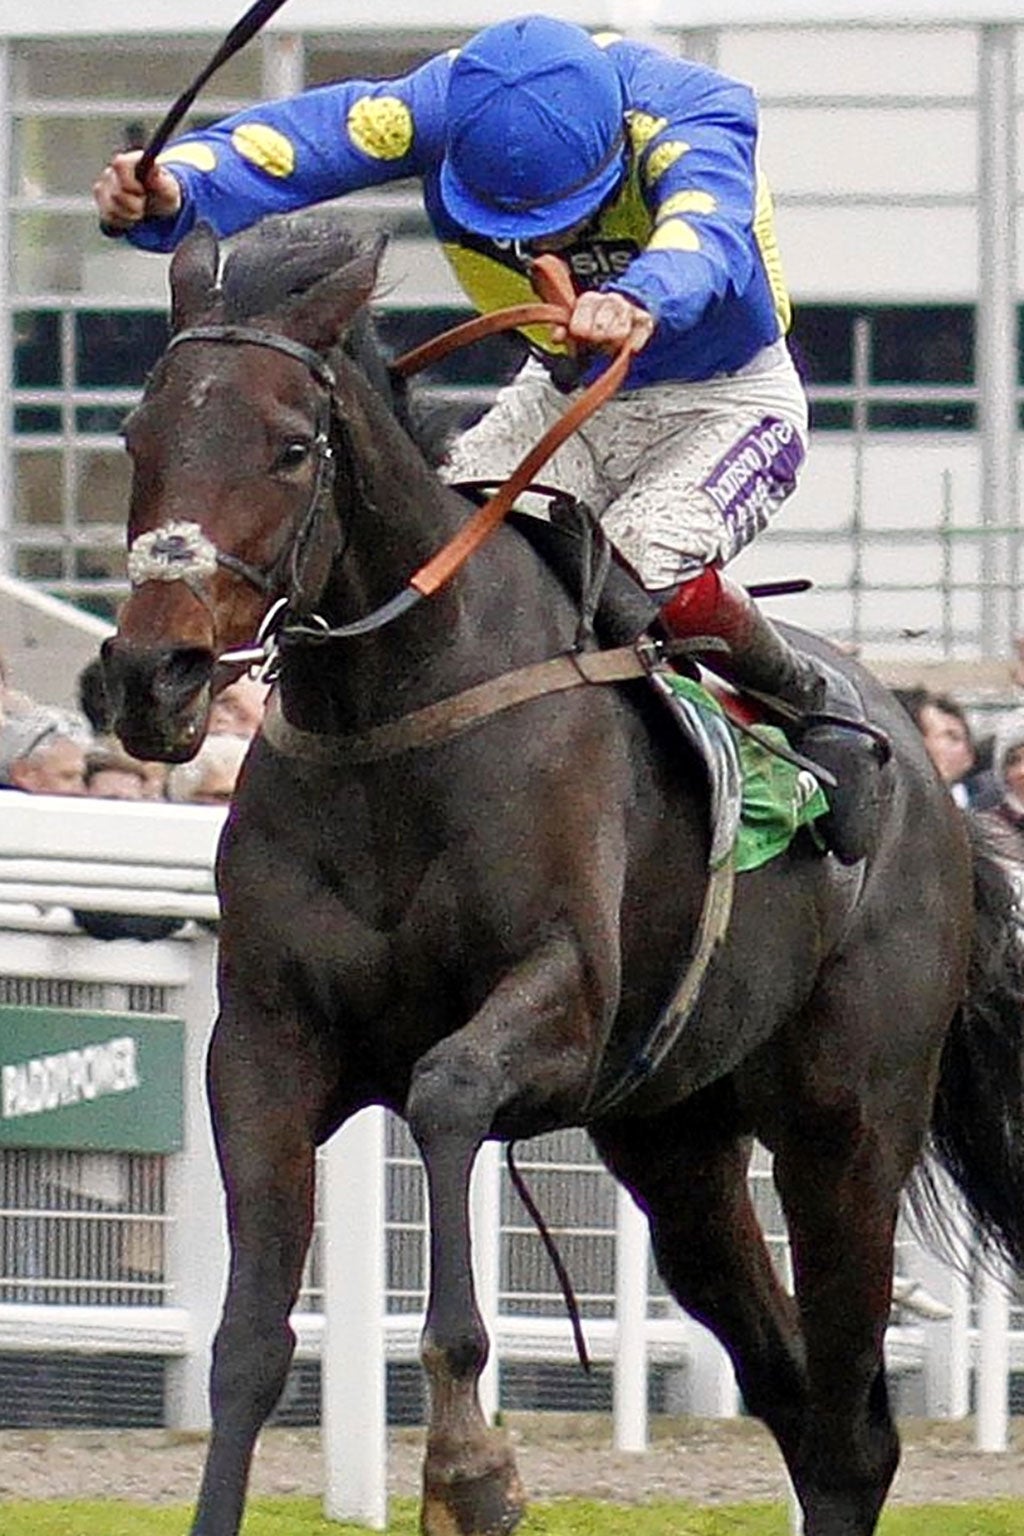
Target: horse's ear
[194,292]
[318,317]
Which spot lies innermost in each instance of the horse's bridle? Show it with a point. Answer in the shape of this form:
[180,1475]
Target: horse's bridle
[181,551]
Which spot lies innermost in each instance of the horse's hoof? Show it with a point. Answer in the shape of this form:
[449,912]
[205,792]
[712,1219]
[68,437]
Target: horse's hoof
[489,1505]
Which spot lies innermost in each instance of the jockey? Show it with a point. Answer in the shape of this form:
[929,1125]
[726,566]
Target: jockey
[640,170]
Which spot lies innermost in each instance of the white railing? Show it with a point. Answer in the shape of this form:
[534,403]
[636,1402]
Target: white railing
[61,855]
[108,856]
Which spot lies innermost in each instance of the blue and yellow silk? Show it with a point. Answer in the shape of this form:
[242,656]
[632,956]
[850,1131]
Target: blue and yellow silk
[689,234]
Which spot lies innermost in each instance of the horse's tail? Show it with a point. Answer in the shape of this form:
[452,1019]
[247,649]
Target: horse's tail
[977,1131]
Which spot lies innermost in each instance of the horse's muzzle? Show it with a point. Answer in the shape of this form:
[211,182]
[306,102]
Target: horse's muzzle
[159,697]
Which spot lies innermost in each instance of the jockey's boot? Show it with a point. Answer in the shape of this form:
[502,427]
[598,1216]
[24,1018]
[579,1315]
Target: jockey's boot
[823,708]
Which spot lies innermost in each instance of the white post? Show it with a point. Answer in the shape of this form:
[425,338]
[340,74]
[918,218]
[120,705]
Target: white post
[947,1348]
[960,1345]
[283,64]
[197,1245]
[630,1367]
[996,335]
[485,1207]
[992,1421]
[353,1409]
[714,1393]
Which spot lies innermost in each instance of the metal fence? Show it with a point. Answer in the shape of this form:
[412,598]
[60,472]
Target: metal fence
[82,1228]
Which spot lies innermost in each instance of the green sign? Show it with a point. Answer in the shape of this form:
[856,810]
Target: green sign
[105,1082]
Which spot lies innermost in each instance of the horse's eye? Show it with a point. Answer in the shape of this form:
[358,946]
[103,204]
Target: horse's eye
[293,454]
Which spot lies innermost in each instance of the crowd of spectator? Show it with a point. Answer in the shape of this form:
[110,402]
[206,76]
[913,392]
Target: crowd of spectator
[46,749]
[984,776]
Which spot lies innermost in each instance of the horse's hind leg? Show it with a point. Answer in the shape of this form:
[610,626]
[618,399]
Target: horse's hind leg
[841,1204]
[268,1166]
[688,1171]
[844,1102]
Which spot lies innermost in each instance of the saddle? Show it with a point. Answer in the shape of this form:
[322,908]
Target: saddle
[615,608]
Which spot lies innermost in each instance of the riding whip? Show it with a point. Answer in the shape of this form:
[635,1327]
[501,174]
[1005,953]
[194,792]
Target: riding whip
[258,14]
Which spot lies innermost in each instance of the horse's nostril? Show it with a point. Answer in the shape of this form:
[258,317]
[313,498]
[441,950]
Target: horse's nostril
[172,679]
[184,672]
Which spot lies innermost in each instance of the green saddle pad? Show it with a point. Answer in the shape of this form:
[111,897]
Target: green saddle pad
[777,798]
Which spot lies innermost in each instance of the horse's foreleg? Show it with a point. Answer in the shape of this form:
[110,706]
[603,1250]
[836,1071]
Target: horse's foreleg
[470,1481]
[267,1161]
[526,1045]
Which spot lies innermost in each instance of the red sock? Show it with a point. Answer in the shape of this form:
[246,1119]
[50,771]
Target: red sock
[710,604]
[691,610]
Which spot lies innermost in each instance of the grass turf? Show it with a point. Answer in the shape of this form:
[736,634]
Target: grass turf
[567,1517]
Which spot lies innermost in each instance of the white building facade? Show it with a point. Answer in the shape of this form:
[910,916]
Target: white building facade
[891,139]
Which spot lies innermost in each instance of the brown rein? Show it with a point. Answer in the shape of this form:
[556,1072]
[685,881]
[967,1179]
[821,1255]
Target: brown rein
[551,279]
[469,331]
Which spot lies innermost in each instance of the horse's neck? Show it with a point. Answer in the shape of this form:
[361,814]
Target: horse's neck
[392,509]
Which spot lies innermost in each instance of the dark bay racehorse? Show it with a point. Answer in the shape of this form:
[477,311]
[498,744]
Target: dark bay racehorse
[478,931]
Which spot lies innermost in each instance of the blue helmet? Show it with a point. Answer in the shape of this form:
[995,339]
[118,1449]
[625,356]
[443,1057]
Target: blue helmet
[535,129]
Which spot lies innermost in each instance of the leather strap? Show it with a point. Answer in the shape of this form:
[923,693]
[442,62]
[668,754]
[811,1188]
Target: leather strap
[550,276]
[472,534]
[553,285]
[447,718]
[511,319]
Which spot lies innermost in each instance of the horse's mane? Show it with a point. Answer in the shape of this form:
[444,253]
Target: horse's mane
[281,257]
